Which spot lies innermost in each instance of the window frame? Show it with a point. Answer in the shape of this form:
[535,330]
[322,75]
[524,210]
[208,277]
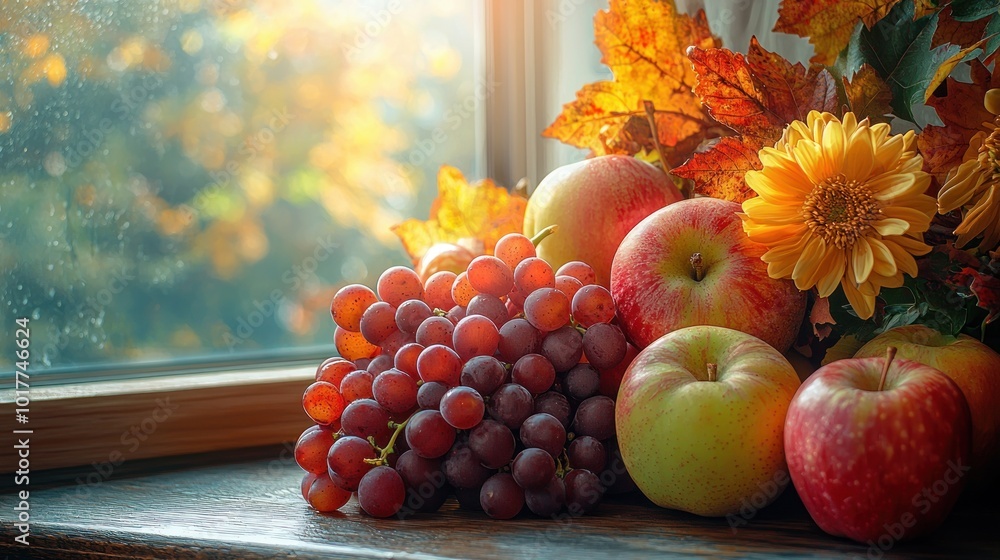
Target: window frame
[105,421]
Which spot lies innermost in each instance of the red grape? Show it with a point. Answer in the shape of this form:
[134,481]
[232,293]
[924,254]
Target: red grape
[312,448]
[514,248]
[357,385]
[545,432]
[490,307]
[398,284]
[462,407]
[568,285]
[533,273]
[484,374]
[583,491]
[475,335]
[490,275]
[595,417]
[347,461]
[493,443]
[579,270]
[364,418]
[437,290]
[547,309]
[534,373]
[323,402]
[439,363]
[379,364]
[333,370]
[582,382]
[429,395]
[517,338]
[406,359]
[381,492]
[593,304]
[307,481]
[511,404]
[378,322]
[456,314]
[555,404]
[411,314]
[463,469]
[533,468]
[427,488]
[563,347]
[353,346]
[435,330]
[428,434]
[348,305]
[586,452]
[325,496]
[462,291]
[604,345]
[548,500]
[395,391]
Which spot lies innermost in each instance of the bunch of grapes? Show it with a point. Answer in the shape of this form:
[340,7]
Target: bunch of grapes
[495,385]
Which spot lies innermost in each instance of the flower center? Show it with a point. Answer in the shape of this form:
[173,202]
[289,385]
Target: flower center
[840,210]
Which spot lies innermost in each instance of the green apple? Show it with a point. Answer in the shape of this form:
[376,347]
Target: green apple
[972,365]
[700,420]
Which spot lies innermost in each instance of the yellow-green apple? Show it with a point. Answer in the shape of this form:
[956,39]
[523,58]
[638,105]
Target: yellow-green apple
[595,202]
[699,417]
[691,264]
[878,448]
[971,364]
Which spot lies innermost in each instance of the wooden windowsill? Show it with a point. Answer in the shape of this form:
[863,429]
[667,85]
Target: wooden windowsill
[109,423]
[253,509]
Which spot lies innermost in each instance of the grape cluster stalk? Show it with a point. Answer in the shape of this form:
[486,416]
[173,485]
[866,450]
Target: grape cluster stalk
[495,385]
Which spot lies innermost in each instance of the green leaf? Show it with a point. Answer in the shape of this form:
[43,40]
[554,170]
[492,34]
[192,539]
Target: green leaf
[898,48]
[971,10]
[993,33]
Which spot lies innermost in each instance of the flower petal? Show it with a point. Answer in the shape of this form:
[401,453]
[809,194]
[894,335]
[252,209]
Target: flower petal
[808,267]
[885,264]
[763,212]
[961,185]
[904,260]
[891,226]
[862,259]
[835,267]
[859,159]
[864,305]
[809,156]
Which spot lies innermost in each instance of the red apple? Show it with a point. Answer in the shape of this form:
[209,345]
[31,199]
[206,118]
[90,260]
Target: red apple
[691,264]
[878,451]
[974,366]
[595,202]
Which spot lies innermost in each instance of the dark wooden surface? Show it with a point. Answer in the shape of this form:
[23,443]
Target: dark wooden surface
[253,509]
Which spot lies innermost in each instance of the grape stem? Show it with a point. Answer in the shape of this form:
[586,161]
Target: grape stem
[890,353]
[545,232]
[387,450]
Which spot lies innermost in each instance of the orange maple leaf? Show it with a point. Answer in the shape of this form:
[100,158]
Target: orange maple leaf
[829,23]
[482,212]
[963,115]
[643,43]
[756,96]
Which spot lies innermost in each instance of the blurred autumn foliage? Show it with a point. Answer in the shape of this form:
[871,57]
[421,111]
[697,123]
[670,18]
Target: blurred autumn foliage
[198,176]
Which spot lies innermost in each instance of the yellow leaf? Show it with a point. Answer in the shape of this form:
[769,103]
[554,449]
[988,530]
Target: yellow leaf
[482,212]
[644,44]
[947,66]
[829,23]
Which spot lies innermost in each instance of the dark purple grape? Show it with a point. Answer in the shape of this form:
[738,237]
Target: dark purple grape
[512,405]
[363,418]
[484,374]
[588,453]
[582,382]
[555,404]
[501,497]
[426,485]
[604,345]
[548,500]
[532,468]
[595,417]
[545,432]
[429,395]
[583,491]
[428,434]
[488,306]
[463,469]
[563,347]
[518,338]
[493,443]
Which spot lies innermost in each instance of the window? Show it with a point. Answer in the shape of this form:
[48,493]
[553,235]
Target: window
[194,178]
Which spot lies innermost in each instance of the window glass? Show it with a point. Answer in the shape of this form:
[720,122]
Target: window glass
[197,177]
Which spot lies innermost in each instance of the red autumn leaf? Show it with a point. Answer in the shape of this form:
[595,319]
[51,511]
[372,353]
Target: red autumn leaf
[963,114]
[820,318]
[756,96]
[961,33]
[986,288]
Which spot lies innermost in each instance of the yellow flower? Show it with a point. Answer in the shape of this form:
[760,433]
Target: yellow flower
[840,203]
[975,184]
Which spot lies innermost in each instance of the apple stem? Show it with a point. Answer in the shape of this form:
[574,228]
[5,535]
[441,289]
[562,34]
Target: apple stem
[545,232]
[713,370]
[890,353]
[697,264]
